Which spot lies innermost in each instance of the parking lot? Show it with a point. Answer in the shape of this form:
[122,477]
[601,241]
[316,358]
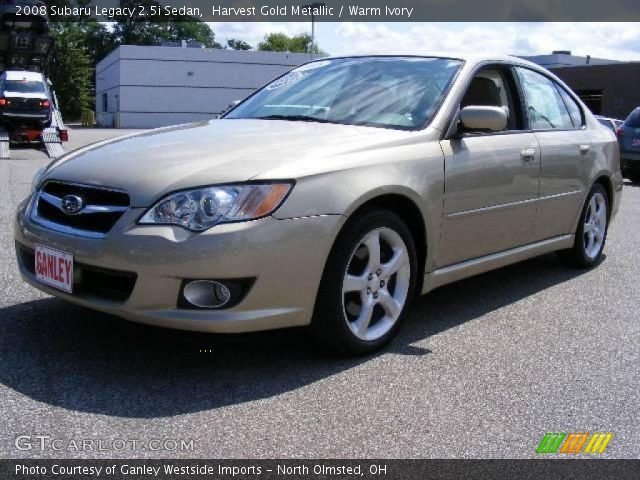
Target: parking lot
[482,368]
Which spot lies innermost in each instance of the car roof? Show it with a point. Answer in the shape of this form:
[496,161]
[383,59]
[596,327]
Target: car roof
[24,75]
[467,57]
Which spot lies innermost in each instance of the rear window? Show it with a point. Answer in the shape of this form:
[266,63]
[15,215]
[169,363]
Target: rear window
[23,86]
[633,120]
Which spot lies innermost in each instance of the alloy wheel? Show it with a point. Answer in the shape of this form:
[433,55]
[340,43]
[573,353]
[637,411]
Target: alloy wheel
[595,225]
[376,284]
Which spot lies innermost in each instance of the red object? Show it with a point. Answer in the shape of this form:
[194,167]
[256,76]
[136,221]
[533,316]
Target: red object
[45,104]
[31,135]
[3,101]
[64,136]
[619,132]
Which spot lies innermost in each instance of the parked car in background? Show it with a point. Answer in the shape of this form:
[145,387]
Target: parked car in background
[629,140]
[329,198]
[25,99]
[611,123]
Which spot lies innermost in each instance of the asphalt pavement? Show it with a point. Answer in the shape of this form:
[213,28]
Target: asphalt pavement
[482,369]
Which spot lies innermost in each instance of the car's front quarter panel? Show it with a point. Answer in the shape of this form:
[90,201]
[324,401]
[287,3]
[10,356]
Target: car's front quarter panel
[411,166]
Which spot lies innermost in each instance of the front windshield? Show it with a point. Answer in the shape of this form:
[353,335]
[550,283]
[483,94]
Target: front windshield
[392,92]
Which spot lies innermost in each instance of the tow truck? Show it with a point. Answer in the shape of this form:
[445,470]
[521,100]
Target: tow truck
[25,44]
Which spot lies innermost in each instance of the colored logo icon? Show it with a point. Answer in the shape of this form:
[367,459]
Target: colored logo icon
[572,443]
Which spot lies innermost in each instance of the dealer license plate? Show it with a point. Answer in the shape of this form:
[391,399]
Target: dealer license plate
[54,267]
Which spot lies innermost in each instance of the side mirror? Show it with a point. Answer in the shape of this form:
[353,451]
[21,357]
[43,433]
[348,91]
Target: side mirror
[485,118]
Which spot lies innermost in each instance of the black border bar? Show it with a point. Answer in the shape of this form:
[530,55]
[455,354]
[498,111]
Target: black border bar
[320,469]
[351,10]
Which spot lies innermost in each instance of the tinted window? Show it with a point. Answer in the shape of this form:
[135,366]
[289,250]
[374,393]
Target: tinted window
[395,92]
[574,110]
[633,120]
[23,86]
[545,107]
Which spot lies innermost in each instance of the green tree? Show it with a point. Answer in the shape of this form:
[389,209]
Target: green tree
[235,44]
[154,30]
[281,42]
[70,69]
[98,41]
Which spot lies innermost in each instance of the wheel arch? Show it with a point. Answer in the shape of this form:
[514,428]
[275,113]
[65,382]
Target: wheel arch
[607,183]
[409,211]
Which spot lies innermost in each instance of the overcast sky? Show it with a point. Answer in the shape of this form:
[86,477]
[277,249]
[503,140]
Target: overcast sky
[618,41]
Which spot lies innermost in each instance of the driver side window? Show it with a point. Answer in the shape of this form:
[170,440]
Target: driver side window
[545,107]
[490,88]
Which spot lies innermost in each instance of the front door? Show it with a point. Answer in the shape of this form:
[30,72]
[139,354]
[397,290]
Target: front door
[491,184]
[491,179]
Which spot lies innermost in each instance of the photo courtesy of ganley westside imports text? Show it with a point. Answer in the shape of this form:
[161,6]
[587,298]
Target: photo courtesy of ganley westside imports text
[286,239]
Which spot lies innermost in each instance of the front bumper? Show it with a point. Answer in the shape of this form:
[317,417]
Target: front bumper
[284,258]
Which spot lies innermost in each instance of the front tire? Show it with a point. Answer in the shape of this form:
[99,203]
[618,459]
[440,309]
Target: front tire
[367,285]
[591,233]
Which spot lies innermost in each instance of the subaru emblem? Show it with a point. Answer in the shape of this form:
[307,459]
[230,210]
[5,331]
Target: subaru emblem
[72,204]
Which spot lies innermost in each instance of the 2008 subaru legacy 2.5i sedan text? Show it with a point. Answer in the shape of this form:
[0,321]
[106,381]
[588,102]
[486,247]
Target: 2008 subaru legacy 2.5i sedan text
[329,198]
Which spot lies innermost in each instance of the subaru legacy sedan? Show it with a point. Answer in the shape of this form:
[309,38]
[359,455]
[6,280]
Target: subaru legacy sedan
[330,198]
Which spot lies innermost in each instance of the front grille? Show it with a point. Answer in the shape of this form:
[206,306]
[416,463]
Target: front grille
[98,210]
[89,281]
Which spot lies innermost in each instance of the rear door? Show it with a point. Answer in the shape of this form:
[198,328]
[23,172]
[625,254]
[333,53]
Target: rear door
[565,152]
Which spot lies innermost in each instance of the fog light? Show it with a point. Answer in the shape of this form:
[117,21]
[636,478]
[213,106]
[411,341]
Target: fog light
[206,294]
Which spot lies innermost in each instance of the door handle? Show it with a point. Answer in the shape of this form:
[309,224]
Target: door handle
[585,149]
[528,155]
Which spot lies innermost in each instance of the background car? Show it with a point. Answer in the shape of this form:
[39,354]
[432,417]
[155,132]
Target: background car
[611,123]
[629,140]
[25,99]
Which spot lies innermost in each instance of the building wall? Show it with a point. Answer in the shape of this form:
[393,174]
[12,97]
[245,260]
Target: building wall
[563,60]
[619,85]
[158,86]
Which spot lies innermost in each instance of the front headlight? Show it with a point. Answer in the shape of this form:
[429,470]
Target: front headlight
[202,208]
[37,178]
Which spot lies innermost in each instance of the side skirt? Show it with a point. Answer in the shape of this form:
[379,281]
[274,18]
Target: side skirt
[468,268]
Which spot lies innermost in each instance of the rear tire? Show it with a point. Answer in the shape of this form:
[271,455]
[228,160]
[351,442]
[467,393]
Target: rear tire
[368,284]
[591,233]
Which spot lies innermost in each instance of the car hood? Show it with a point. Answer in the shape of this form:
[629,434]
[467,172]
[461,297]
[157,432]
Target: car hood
[150,164]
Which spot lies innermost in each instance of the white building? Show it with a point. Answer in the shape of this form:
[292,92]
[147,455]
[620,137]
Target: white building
[145,87]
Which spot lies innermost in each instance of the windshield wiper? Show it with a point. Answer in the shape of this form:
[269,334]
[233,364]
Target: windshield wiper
[294,118]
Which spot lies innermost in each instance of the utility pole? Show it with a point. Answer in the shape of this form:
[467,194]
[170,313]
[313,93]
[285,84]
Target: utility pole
[313,7]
